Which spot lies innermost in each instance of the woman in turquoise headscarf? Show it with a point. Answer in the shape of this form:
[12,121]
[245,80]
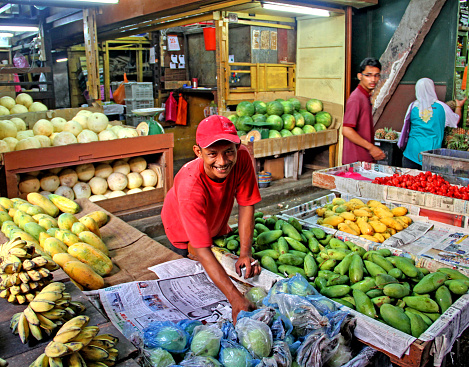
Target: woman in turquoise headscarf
[428,118]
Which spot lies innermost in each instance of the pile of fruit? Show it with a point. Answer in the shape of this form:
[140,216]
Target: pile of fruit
[22,104]
[373,221]
[425,182]
[85,127]
[386,133]
[280,118]
[49,309]
[74,244]
[77,344]
[96,182]
[384,287]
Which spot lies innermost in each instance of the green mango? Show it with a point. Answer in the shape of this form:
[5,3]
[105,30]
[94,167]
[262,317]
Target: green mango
[424,317]
[294,222]
[343,267]
[395,290]
[313,245]
[454,274]
[290,231]
[296,245]
[290,259]
[421,303]
[443,298]
[396,273]
[406,266]
[318,233]
[338,280]
[381,300]
[382,262]
[363,303]
[328,264]
[417,324]
[283,247]
[356,269]
[268,263]
[383,279]
[291,270]
[335,291]
[396,317]
[373,293]
[364,285]
[310,266]
[344,302]
[456,286]
[325,240]
[430,283]
[336,243]
[320,283]
[373,269]
[385,252]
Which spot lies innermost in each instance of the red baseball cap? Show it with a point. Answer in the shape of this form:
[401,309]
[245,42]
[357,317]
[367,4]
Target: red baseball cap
[215,128]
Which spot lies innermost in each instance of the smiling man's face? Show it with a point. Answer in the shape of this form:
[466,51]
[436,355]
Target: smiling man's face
[219,159]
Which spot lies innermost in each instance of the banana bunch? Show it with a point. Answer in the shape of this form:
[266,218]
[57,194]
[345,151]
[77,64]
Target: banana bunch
[78,345]
[45,313]
[22,271]
[373,220]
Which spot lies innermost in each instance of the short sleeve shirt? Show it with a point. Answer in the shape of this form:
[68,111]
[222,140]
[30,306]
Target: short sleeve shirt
[197,209]
[358,115]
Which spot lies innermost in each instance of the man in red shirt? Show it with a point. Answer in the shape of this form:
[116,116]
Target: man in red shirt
[358,128]
[198,206]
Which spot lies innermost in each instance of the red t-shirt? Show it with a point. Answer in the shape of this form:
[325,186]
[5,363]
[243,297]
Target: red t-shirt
[196,209]
[358,115]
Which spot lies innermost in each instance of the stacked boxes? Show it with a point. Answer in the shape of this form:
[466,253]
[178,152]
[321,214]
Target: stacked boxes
[137,96]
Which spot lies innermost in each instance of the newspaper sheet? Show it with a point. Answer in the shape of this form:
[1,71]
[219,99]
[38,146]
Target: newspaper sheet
[412,233]
[192,297]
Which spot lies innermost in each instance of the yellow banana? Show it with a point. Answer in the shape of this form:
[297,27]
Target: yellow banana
[86,335]
[24,287]
[28,264]
[15,289]
[66,334]
[103,343]
[45,322]
[41,361]
[55,349]
[93,353]
[40,260]
[5,293]
[78,321]
[31,316]
[29,296]
[76,360]
[24,277]
[14,322]
[56,362]
[49,296]
[44,272]
[34,275]
[42,306]
[21,298]
[23,328]
[54,287]
[78,307]
[35,331]
[54,314]
[74,346]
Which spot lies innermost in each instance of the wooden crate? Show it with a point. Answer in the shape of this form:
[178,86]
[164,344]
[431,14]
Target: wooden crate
[158,147]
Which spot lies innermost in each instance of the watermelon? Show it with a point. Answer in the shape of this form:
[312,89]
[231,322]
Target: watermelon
[285,133]
[245,108]
[319,127]
[274,122]
[233,118]
[243,123]
[309,129]
[280,100]
[287,107]
[314,105]
[259,118]
[297,131]
[296,103]
[259,107]
[309,117]
[299,119]
[324,118]
[274,134]
[288,121]
[241,133]
[275,108]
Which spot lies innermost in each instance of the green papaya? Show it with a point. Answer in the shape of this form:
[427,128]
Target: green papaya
[395,317]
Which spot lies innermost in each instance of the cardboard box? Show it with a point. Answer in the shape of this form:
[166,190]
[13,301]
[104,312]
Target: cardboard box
[275,166]
[175,84]
[328,179]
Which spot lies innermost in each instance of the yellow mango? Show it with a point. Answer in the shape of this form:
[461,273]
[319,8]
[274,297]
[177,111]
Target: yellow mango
[386,235]
[405,219]
[352,225]
[365,228]
[391,222]
[320,212]
[328,213]
[373,203]
[391,231]
[371,238]
[348,215]
[338,201]
[91,224]
[382,212]
[357,201]
[399,211]
[362,213]
[328,226]
[377,226]
[66,220]
[94,240]
[346,228]
[333,220]
[99,216]
[379,237]
[401,222]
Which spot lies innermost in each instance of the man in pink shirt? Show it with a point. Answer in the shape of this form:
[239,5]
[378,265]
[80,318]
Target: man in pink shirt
[198,206]
[358,127]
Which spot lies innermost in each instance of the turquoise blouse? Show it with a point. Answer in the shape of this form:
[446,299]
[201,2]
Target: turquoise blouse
[425,136]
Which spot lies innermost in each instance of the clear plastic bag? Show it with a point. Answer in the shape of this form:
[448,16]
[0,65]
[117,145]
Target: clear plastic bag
[342,354]
[267,362]
[20,61]
[265,315]
[255,336]
[206,340]
[166,335]
[302,314]
[256,295]
[316,349]
[197,361]
[281,327]
[281,353]
[159,358]
[296,285]
[234,355]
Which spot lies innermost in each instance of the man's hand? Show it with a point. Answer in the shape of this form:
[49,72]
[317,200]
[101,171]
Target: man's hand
[252,266]
[377,153]
[240,304]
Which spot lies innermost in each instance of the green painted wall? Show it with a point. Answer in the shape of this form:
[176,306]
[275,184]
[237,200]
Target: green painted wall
[373,27]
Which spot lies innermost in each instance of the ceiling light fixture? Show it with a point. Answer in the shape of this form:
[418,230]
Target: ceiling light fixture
[2,34]
[13,28]
[61,60]
[296,9]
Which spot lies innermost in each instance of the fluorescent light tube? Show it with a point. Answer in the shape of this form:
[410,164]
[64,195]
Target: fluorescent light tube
[6,34]
[296,9]
[13,28]
[62,60]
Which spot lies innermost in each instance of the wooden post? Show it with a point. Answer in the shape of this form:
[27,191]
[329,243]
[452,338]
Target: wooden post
[106,71]
[221,26]
[404,44]
[91,51]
